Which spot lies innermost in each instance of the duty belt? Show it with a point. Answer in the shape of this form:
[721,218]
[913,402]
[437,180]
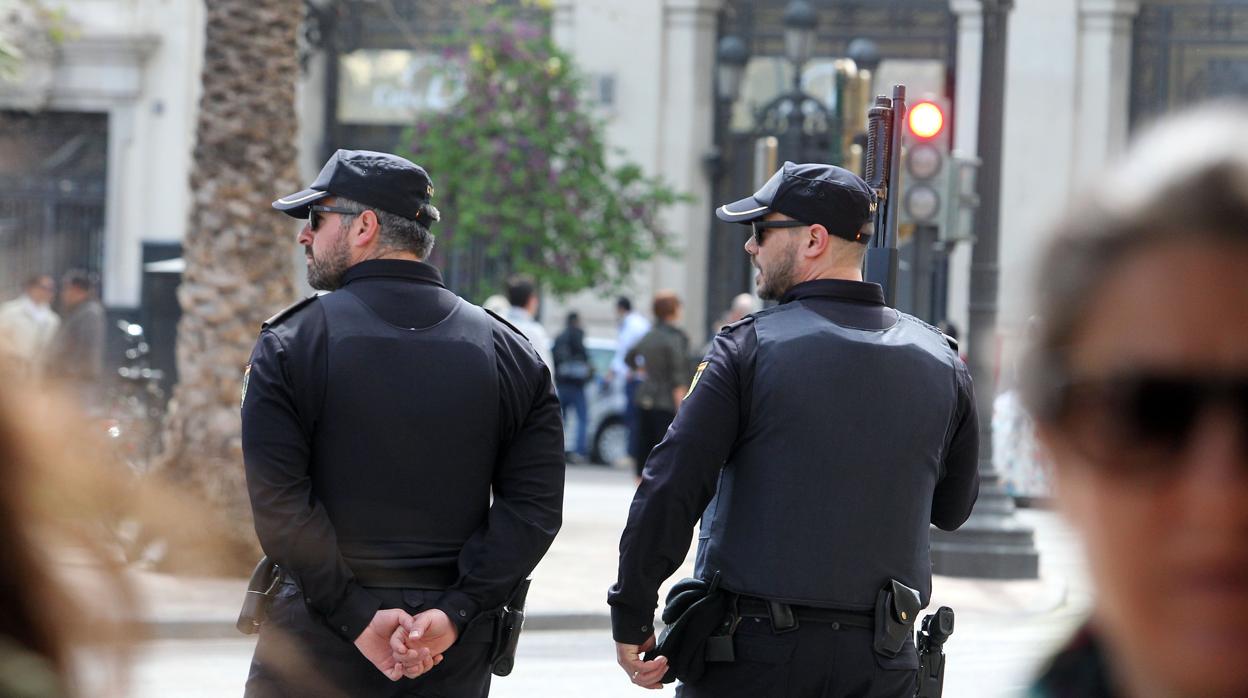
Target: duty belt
[786,616]
[434,578]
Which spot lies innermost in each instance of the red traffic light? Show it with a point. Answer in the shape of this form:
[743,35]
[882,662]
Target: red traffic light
[926,120]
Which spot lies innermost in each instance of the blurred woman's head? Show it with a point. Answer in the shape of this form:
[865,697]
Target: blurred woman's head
[1138,379]
[667,307]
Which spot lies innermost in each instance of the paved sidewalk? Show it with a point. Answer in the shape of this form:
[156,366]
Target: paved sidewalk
[570,584]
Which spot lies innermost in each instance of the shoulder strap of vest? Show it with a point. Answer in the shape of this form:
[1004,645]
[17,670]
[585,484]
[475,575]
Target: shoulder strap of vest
[953,343]
[501,319]
[288,311]
[730,327]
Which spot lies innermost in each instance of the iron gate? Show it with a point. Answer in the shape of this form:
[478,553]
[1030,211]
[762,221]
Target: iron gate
[53,169]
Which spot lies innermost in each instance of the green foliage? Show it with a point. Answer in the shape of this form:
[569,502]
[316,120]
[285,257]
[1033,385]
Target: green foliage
[522,171]
[10,59]
[15,15]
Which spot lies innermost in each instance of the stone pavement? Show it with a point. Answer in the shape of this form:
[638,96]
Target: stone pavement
[570,584]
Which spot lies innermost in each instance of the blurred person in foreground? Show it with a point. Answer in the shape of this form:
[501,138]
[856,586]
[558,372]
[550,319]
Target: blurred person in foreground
[1138,380]
[662,359]
[820,439]
[403,451]
[572,372]
[27,325]
[76,353]
[67,610]
[34,645]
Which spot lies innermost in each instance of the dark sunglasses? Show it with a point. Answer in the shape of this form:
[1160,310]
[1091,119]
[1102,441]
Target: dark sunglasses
[1142,423]
[313,219]
[758,228]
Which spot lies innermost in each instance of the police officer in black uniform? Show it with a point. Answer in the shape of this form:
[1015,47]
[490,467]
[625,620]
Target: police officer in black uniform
[378,420]
[819,440]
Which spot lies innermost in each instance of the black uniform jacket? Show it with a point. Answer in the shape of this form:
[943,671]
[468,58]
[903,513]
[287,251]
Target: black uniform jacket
[682,472]
[284,388]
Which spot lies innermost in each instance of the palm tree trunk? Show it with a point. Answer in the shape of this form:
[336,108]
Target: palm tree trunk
[237,249]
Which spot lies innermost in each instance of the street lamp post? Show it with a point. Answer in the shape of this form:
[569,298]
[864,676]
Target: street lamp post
[802,124]
[993,543]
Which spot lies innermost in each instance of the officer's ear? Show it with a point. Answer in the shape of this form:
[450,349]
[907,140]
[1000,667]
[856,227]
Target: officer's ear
[814,241]
[366,228]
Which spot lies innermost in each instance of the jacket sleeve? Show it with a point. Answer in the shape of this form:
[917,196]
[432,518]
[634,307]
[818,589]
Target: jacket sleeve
[678,483]
[293,527]
[958,487]
[527,509]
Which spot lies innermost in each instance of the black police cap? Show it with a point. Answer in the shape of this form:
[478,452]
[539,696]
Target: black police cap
[378,180]
[812,193]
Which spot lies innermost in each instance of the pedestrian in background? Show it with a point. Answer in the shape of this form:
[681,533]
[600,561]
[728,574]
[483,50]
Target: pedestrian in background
[522,296]
[633,326]
[742,304]
[572,372]
[831,431]
[27,326]
[497,304]
[662,359]
[1138,380]
[403,451]
[76,353]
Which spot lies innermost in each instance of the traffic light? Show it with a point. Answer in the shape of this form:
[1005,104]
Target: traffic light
[925,196]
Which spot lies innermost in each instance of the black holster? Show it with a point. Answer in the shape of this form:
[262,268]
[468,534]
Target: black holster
[507,631]
[264,579]
[695,611]
[897,607]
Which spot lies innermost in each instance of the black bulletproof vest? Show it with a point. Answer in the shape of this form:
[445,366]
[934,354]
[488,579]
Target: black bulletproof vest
[410,416]
[828,492]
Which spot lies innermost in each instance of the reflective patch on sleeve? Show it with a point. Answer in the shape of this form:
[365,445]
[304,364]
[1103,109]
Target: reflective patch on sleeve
[701,367]
[246,377]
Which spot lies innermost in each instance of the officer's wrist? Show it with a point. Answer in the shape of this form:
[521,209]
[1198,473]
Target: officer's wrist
[459,608]
[631,627]
[354,614]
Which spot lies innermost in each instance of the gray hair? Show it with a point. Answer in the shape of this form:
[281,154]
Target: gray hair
[1184,180]
[398,233]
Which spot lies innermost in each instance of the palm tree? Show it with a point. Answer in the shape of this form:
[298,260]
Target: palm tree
[237,252]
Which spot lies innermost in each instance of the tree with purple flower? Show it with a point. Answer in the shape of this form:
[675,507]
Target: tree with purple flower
[524,176]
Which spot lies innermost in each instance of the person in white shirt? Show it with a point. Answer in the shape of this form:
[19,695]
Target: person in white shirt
[27,325]
[522,294]
[633,326]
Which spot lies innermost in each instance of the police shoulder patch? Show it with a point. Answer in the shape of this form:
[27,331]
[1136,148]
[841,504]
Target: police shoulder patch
[246,377]
[288,310]
[696,376]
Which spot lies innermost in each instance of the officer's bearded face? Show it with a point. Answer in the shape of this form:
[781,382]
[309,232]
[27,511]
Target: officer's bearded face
[325,269]
[776,262]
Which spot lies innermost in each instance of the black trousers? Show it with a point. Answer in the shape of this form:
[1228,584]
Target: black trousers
[297,655]
[651,428]
[816,660]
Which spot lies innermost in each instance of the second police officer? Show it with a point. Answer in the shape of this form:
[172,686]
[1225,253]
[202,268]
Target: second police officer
[403,450]
[819,441]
